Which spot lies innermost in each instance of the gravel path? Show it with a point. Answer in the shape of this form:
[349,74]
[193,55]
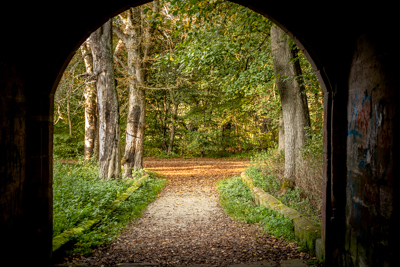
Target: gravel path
[185,224]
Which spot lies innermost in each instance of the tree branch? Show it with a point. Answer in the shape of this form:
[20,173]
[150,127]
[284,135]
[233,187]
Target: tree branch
[123,65]
[157,88]
[120,34]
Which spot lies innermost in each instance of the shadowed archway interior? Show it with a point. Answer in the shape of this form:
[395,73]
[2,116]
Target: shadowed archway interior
[349,46]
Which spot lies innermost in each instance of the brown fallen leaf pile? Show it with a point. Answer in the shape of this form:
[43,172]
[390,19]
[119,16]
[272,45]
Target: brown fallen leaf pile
[185,225]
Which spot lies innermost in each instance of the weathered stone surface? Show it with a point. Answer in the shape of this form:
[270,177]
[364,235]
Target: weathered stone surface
[293,263]
[138,264]
[370,179]
[258,263]
[304,228]
[319,249]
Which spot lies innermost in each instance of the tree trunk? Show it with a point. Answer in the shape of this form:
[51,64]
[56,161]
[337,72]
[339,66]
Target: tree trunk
[96,149]
[133,36]
[90,104]
[164,121]
[294,109]
[69,117]
[281,141]
[134,131]
[103,66]
[172,132]
[303,113]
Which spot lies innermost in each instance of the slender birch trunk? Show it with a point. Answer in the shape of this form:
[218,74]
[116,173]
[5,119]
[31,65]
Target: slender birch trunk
[69,116]
[90,104]
[103,66]
[294,107]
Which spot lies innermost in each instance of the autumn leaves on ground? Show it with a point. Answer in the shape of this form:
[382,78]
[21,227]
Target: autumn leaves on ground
[186,225]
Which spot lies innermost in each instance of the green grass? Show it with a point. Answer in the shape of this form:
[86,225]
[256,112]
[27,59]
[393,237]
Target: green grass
[236,199]
[293,197]
[79,196]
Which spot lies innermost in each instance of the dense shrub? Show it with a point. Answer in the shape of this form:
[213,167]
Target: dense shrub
[67,147]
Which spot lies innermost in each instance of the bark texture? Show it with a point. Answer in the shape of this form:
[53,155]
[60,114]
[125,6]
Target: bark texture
[90,104]
[103,65]
[137,39]
[294,104]
[281,141]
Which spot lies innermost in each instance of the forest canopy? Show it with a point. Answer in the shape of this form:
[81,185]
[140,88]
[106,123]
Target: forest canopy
[208,82]
[177,78]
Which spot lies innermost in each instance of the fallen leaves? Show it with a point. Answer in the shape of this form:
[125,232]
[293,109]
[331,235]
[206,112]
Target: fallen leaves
[185,225]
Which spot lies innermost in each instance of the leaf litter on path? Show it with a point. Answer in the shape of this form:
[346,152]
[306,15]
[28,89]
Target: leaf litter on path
[185,225]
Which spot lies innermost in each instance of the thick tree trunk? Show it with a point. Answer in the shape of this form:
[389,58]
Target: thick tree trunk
[281,141]
[294,108]
[90,104]
[133,37]
[134,131]
[96,149]
[303,113]
[103,66]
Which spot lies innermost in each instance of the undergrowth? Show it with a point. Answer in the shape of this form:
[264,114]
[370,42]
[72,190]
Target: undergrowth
[236,199]
[67,147]
[267,171]
[211,154]
[79,196]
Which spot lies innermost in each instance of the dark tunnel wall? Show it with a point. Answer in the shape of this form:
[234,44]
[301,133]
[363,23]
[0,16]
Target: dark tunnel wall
[352,50]
[370,186]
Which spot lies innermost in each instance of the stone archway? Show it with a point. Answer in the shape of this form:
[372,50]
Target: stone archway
[349,50]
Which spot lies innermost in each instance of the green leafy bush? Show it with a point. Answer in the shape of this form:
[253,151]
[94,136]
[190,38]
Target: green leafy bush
[67,147]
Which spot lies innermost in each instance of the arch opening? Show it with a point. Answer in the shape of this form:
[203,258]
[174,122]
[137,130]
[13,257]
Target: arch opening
[297,41]
[359,63]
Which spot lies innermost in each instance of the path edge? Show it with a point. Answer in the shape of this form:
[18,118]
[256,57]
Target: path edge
[304,228]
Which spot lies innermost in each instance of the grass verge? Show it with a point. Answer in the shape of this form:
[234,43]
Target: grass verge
[236,200]
[267,170]
[79,196]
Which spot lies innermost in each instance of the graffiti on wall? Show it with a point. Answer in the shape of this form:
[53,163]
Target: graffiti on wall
[367,133]
[368,162]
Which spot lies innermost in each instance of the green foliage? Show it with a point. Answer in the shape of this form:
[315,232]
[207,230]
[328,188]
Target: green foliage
[220,74]
[314,146]
[79,196]
[265,181]
[211,59]
[67,147]
[263,171]
[237,201]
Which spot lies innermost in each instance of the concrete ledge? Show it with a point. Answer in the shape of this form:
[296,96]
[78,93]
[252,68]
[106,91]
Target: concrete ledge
[66,236]
[304,228]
